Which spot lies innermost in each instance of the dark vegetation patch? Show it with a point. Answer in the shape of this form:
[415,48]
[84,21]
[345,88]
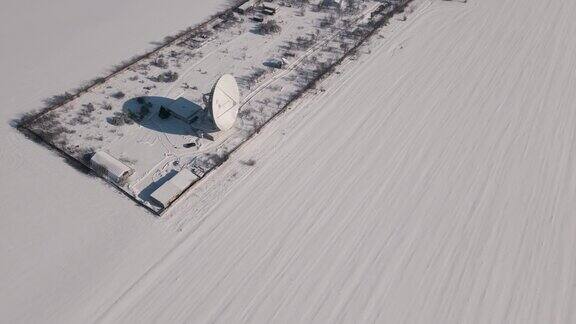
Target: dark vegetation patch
[160,62]
[215,159]
[121,118]
[60,99]
[168,76]
[267,28]
[254,76]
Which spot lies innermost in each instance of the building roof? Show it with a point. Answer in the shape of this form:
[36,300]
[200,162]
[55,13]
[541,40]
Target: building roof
[184,108]
[167,192]
[247,5]
[113,166]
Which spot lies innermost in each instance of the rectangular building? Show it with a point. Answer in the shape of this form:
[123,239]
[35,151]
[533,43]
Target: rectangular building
[184,109]
[111,168]
[173,188]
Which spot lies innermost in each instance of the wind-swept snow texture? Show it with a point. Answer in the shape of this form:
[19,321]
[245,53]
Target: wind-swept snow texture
[432,182]
[64,236]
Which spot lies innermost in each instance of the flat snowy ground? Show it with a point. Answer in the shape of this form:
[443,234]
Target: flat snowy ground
[433,182]
[64,236]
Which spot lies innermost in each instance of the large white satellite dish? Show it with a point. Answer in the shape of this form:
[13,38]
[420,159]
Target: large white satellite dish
[225,102]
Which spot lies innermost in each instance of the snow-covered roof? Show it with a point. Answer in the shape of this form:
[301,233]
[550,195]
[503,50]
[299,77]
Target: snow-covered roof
[112,166]
[184,108]
[174,187]
[247,5]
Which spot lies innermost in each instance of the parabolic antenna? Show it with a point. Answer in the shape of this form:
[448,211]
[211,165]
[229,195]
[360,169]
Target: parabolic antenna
[225,102]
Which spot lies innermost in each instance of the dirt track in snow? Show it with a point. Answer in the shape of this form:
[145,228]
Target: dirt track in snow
[435,184]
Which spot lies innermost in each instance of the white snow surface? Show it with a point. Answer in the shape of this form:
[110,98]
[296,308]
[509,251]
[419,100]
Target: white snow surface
[432,182]
[64,236]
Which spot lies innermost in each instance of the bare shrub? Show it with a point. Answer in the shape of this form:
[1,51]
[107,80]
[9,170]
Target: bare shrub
[215,159]
[227,20]
[89,84]
[121,118]
[58,100]
[115,120]
[353,7]
[25,119]
[126,63]
[304,43]
[253,77]
[168,76]
[78,120]
[159,62]
[47,121]
[246,115]
[50,129]
[250,162]
[327,21]
[268,27]
[86,110]
[99,138]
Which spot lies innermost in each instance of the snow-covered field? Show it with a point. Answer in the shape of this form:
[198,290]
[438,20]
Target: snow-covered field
[64,236]
[433,182]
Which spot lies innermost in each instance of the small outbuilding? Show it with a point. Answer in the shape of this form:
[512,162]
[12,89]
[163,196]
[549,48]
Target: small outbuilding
[184,109]
[173,188]
[269,9]
[245,7]
[111,168]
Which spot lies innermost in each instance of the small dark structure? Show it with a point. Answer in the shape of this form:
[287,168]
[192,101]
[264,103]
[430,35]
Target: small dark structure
[274,63]
[163,113]
[189,145]
[268,12]
[268,8]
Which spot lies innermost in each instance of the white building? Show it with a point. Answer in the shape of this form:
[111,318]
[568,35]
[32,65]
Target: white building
[110,167]
[247,6]
[173,188]
[184,109]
